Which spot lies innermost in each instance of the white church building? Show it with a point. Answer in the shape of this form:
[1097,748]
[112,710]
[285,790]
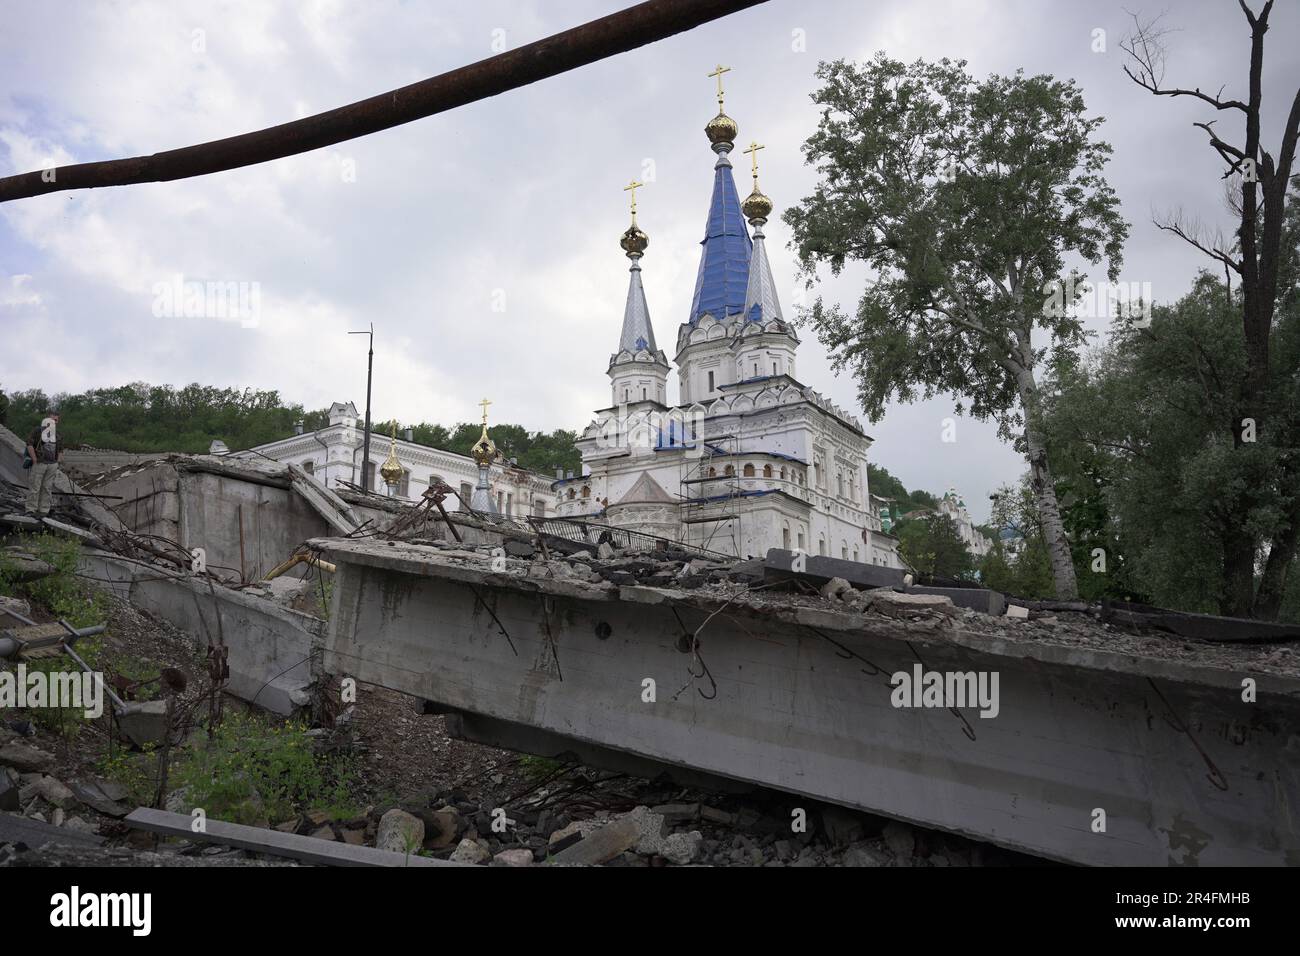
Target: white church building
[335,454]
[749,458]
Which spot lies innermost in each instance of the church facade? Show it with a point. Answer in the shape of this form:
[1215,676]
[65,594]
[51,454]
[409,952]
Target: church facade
[748,458]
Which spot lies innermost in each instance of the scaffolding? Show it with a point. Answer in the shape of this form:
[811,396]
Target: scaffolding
[710,494]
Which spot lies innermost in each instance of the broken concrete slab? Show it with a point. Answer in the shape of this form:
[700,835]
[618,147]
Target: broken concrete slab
[900,604]
[799,682]
[9,801]
[25,759]
[603,844]
[23,568]
[94,796]
[274,843]
[982,600]
[818,570]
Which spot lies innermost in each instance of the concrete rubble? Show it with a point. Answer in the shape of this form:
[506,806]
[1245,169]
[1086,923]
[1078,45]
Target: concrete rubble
[772,677]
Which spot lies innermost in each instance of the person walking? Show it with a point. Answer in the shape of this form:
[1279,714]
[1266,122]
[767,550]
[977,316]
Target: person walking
[45,448]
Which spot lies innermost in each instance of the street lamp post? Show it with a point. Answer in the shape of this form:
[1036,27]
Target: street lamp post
[370,369]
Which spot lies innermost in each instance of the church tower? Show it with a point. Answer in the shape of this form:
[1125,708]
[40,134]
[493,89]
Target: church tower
[704,359]
[764,343]
[638,371]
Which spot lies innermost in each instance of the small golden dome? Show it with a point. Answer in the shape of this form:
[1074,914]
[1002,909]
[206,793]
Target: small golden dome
[634,241]
[391,470]
[756,205]
[721,129]
[484,451]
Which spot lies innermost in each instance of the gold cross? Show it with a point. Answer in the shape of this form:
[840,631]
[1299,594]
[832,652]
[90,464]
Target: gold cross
[718,73]
[485,403]
[633,186]
[752,152]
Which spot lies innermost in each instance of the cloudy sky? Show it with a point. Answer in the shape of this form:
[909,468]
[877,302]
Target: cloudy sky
[482,243]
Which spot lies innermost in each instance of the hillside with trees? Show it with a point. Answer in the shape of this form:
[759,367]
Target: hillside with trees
[139,417]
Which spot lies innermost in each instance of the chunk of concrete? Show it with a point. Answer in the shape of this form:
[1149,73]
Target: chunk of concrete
[604,844]
[144,722]
[8,793]
[835,587]
[977,599]
[25,759]
[53,791]
[1016,611]
[904,605]
[93,795]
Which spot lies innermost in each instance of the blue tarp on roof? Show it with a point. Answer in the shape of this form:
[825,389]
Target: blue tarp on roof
[724,261]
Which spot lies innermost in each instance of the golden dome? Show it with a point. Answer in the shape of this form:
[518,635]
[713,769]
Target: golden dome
[391,470]
[721,129]
[634,241]
[484,451]
[756,205]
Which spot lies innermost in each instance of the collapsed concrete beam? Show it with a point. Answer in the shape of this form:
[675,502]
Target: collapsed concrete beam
[270,647]
[1158,749]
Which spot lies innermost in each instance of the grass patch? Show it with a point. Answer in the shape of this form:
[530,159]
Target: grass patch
[252,771]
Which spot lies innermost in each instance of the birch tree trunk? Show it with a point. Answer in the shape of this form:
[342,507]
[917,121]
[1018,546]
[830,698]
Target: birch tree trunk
[1044,491]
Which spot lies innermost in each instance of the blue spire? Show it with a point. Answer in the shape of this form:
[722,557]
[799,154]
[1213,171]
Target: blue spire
[724,262]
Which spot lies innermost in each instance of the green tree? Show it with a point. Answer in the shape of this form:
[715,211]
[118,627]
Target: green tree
[965,198]
[933,547]
[1149,422]
[1259,181]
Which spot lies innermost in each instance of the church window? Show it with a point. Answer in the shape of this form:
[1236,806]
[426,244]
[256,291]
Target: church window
[309,466]
[710,382]
[839,484]
[713,472]
[731,471]
[844,551]
[755,370]
[855,554]
[785,537]
[643,394]
[510,505]
[572,494]
[749,471]
[539,508]
[821,545]
[625,395]
[767,471]
[586,491]
[774,372]
[800,540]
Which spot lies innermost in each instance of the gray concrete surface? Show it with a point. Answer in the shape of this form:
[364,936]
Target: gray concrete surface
[1081,730]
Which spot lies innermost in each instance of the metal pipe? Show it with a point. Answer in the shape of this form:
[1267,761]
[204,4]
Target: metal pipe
[626,30]
[9,646]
